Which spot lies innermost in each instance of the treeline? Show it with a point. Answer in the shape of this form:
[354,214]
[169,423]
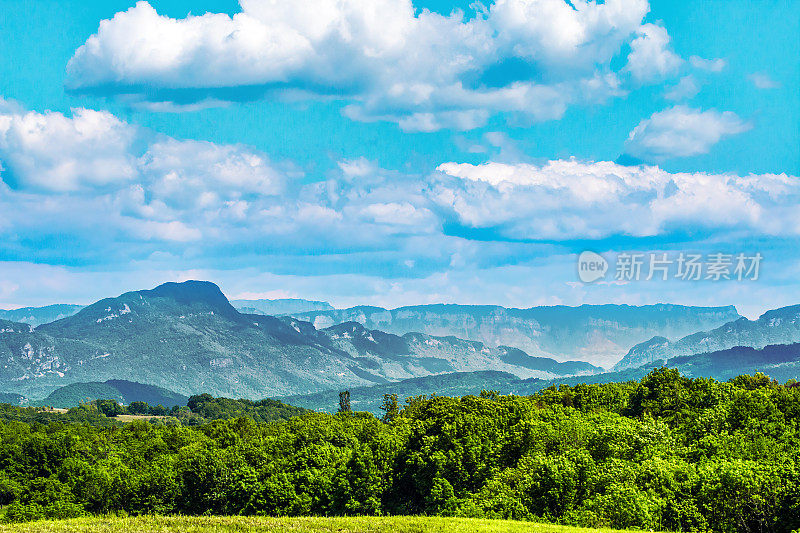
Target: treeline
[666,453]
[199,410]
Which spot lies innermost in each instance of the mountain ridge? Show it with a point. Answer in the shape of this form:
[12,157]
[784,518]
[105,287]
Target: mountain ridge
[39,315]
[776,326]
[187,337]
[280,306]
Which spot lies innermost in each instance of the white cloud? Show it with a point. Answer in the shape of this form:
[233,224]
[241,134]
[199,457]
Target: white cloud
[392,62]
[276,294]
[183,171]
[395,213]
[139,185]
[575,200]
[10,106]
[762,81]
[174,231]
[711,65]
[53,152]
[197,203]
[681,131]
[455,120]
[650,59]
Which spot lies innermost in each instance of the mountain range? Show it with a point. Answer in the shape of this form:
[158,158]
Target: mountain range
[188,338]
[599,334]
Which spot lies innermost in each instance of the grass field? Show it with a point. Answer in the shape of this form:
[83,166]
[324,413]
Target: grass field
[401,524]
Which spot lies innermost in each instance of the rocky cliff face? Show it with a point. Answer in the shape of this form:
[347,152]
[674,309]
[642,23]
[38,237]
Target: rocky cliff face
[598,334]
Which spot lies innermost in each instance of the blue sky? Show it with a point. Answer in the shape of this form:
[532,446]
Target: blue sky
[383,153]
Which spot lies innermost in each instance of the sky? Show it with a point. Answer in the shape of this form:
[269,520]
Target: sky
[391,153]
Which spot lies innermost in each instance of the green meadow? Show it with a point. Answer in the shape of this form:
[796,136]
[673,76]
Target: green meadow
[236,524]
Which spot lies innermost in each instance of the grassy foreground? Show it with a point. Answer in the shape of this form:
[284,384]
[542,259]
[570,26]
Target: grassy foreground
[225,524]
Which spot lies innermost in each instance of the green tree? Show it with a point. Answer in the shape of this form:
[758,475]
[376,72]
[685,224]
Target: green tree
[344,402]
[390,407]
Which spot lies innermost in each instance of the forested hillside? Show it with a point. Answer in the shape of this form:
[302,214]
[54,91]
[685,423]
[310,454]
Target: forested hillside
[122,391]
[665,453]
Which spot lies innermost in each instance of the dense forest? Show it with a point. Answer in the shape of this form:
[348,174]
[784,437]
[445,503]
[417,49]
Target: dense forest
[663,453]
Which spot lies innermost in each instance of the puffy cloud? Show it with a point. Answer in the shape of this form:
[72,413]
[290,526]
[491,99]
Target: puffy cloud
[650,59]
[681,132]
[175,231]
[57,153]
[229,206]
[143,186]
[10,106]
[579,200]
[423,70]
[198,173]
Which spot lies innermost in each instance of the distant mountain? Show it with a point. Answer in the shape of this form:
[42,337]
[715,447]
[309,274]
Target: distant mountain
[599,334]
[13,399]
[188,338]
[780,362]
[284,306]
[123,391]
[434,355]
[779,326]
[40,315]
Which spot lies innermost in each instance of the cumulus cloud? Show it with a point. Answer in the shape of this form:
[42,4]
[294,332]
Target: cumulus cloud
[391,61]
[681,131]
[145,185]
[650,58]
[229,205]
[570,199]
[53,152]
[94,179]
[197,173]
